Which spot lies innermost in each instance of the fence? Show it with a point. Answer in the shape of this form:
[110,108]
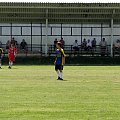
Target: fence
[96,51]
[36,49]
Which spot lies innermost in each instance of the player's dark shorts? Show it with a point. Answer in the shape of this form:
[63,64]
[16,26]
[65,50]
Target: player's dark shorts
[58,67]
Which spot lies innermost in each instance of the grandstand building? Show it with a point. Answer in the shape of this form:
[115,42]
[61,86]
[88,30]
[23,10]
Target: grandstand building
[40,23]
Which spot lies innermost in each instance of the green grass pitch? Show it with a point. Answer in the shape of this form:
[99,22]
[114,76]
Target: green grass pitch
[33,93]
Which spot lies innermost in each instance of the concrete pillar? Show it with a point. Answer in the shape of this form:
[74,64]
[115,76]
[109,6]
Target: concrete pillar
[111,48]
[46,42]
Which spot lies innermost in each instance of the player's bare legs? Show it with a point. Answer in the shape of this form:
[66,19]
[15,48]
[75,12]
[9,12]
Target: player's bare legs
[10,64]
[58,73]
[61,75]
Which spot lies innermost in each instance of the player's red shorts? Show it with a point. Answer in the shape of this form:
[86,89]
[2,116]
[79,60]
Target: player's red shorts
[11,58]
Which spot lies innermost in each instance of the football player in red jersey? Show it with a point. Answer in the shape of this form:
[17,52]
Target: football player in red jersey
[12,55]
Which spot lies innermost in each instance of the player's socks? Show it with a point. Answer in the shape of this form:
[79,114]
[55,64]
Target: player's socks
[11,63]
[58,72]
[61,75]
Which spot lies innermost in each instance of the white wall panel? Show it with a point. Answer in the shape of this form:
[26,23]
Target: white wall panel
[86,31]
[106,25]
[36,40]
[4,39]
[96,31]
[16,30]
[106,31]
[6,30]
[19,39]
[44,31]
[72,40]
[56,31]
[26,30]
[116,31]
[36,31]
[76,31]
[51,39]
[66,31]
[116,25]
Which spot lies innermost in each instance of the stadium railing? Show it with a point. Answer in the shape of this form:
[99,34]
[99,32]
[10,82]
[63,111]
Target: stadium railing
[82,51]
[116,52]
[37,49]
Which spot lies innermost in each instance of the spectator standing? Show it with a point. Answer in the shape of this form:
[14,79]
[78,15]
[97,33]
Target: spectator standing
[62,42]
[23,46]
[13,42]
[94,44]
[7,44]
[55,41]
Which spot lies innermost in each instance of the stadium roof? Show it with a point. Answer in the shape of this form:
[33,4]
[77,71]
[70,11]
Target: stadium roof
[59,12]
[64,1]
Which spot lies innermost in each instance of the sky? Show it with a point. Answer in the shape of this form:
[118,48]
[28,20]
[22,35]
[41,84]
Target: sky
[65,1]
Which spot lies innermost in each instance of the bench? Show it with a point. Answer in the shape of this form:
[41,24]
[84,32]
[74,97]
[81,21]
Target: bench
[68,49]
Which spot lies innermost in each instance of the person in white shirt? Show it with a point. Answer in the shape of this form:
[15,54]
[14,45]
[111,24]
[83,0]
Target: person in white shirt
[89,45]
[117,46]
[103,46]
[76,46]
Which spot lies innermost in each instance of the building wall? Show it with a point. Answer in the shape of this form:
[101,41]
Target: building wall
[36,33]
